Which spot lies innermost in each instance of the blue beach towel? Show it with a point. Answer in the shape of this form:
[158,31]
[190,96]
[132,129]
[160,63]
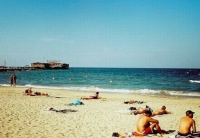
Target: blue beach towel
[75,102]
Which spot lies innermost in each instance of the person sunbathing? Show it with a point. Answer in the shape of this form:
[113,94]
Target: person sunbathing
[61,111]
[161,111]
[154,113]
[28,91]
[31,93]
[142,110]
[132,102]
[96,96]
[147,125]
[187,126]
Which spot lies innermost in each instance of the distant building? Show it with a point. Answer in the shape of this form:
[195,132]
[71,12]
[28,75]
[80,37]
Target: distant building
[39,65]
[50,65]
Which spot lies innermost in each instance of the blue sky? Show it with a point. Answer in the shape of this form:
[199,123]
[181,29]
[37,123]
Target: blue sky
[101,33]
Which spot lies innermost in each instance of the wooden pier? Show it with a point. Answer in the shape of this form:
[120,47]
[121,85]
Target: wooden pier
[11,69]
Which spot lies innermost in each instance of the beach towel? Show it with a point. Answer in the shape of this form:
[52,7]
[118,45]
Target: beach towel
[132,134]
[191,135]
[75,102]
[178,136]
[188,136]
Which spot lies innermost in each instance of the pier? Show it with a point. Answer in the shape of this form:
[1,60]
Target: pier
[11,69]
[51,65]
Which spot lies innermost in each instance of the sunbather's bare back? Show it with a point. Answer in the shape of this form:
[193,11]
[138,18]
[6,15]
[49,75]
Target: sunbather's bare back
[186,124]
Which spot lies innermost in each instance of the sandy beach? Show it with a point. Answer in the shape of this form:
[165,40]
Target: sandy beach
[24,116]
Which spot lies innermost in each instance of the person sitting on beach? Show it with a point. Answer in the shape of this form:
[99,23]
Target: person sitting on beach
[147,125]
[96,96]
[31,93]
[187,126]
[142,110]
[161,111]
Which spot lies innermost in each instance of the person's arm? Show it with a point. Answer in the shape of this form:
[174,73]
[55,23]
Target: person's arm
[96,96]
[167,112]
[193,126]
[153,120]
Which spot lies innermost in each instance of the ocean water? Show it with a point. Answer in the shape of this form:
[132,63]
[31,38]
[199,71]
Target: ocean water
[185,82]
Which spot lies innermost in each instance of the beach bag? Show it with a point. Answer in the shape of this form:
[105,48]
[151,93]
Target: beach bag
[132,108]
[115,134]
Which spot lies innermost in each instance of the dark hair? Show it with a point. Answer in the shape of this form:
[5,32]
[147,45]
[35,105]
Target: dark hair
[148,112]
[26,91]
[97,92]
[163,107]
[189,112]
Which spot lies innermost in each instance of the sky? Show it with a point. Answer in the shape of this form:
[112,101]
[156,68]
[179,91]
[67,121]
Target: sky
[101,33]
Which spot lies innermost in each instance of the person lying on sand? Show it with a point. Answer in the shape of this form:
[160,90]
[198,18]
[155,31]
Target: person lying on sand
[96,96]
[61,111]
[132,102]
[31,93]
[187,126]
[142,110]
[161,111]
[147,125]
[154,113]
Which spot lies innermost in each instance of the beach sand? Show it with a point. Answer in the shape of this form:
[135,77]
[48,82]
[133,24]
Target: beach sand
[24,116]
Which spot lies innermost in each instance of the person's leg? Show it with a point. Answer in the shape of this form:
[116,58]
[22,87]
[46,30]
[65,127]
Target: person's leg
[135,112]
[43,94]
[14,82]
[159,129]
[140,111]
[11,82]
[152,126]
[84,98]
[149,130]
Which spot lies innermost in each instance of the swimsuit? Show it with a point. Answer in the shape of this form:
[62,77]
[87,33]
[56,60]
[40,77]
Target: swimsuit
[37,93]
[188,134]
[94,97]
[147,131]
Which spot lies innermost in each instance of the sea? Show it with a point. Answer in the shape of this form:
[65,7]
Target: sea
[151,81]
